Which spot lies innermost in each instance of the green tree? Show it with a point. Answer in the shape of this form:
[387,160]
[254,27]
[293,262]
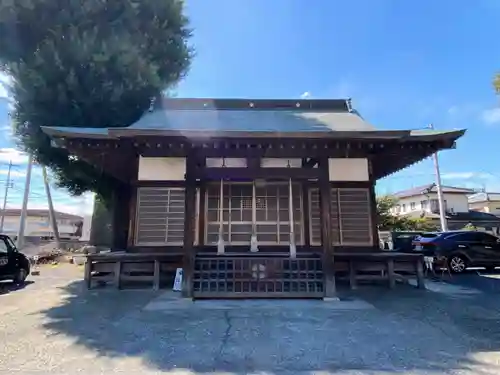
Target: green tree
[496,83]
[469,226]
[388,221]
[87,63]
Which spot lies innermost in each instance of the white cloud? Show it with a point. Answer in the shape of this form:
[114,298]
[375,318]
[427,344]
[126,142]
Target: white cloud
[453,110]
[468,176]
[13,173]
[491,116]
[305,95]
[8,154]
[5,82]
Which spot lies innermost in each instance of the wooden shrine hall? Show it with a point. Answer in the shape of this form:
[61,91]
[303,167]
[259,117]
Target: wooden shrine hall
[251,198]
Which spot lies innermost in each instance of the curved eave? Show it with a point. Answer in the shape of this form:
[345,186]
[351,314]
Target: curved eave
[63,132]
[403,135]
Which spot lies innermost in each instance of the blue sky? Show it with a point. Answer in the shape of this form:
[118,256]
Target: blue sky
[405,64]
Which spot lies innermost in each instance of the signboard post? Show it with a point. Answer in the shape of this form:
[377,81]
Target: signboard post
[178,280]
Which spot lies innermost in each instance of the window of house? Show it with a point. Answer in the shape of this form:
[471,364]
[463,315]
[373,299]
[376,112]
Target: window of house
[413,206]
[403,207]
[424,204]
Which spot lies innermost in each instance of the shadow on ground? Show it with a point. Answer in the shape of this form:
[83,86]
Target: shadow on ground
[486,281]
[8,287]
[409,330]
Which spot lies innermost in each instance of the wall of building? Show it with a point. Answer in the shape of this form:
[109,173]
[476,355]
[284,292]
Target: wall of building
[37,226]
[419,203]
[174,169]
[492,207]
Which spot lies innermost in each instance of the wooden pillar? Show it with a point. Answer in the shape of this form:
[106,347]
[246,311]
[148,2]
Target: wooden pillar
[189,229]
[201,214]
[132,216]
[326,229]
[305,214]
[120,217]
[373,208]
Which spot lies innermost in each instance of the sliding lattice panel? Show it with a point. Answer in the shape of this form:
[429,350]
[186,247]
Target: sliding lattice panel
[257,276]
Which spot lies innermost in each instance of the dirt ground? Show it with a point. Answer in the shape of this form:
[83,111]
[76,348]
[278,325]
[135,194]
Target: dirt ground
[55,326]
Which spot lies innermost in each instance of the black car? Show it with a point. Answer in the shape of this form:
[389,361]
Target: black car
[461,249]
[14,265]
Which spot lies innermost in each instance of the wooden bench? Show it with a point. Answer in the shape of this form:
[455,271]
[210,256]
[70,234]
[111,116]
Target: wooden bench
[386,266]
[120,267]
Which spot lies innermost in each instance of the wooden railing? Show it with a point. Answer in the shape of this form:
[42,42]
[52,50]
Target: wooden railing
[254,276]
[121,268]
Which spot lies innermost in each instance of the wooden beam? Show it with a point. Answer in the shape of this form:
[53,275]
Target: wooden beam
[201,214]
[373,207]
[305,214]
[189,229]
[120,218]
[216,174]
[326,228]
[133,205]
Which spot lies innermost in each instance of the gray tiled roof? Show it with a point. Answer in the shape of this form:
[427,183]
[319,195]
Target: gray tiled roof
[247,117]
[430,188]
[282,121]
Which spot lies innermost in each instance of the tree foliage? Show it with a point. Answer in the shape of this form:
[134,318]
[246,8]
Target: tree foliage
[87,63]
[388,221]
[496,83]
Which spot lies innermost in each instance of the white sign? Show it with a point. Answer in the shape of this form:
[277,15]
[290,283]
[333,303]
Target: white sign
[178,280]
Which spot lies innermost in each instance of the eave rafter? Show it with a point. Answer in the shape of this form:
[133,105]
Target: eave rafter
[387,155]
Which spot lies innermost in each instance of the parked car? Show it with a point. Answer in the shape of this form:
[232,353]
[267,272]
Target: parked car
[399,240]
[14,265]
[461,249]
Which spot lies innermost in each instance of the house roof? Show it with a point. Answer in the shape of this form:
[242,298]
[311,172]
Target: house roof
[473,216]
[252,118]
[431,188]
[484,197]
[42,213]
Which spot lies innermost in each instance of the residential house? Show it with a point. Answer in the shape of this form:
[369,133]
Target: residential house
[38,223]
[422,202]
[485,202]
[425,199]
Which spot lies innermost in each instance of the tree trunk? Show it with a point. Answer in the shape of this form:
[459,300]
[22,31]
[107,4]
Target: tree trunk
[101,230]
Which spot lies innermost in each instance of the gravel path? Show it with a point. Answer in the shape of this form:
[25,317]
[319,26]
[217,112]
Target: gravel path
[55,326]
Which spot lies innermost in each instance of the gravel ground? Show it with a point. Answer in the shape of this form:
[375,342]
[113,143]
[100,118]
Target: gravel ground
[55,326]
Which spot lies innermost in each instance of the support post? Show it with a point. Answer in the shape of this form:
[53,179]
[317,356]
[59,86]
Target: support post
[373,208]
[120,218]
[306,214]
[132,205]
[52,214]
[24,212]
[4,206]
[326,228]
[220,240]
[442,206]
[293,248]
[189,232]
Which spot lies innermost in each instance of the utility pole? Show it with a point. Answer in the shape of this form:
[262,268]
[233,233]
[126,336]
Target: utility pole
[7,185]
[52,216]
[24,211]
[442,208]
